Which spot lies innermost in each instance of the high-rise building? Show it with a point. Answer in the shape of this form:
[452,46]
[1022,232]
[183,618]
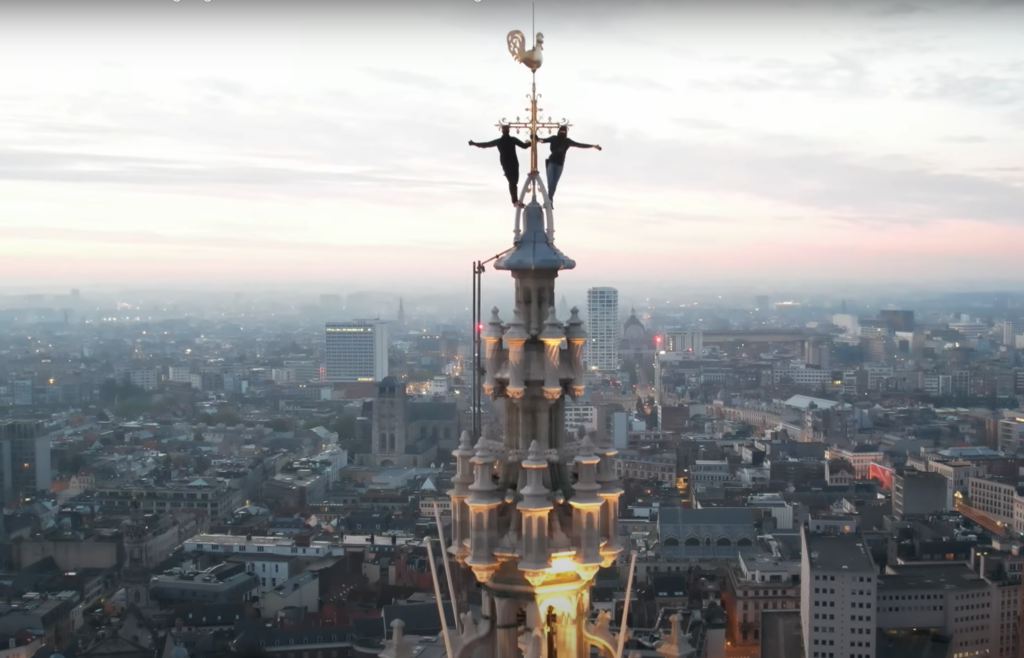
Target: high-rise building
[687,343]
[24,457]
[838,581]
[356,351]
[897,320]
[602,352]
[917,494]
[818,354]
[1012,329]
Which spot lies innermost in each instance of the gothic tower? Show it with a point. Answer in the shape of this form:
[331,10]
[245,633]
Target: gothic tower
[135,575]
[534,511]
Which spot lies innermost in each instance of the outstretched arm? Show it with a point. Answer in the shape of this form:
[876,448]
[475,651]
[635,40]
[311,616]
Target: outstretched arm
[484,145]
[521,144]
[580,145]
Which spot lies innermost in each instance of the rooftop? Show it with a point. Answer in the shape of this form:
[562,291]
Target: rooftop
[804,401]
[295,582]
[838,552]
[938,576]
[970,452]
[237,540]
[757,559]
[719,516]
[201,580]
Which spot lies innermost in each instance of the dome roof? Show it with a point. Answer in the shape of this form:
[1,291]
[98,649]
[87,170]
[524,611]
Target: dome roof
[534,251]
[633,321]
[179,652]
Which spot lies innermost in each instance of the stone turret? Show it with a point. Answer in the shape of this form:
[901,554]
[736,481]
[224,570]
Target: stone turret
[533,538]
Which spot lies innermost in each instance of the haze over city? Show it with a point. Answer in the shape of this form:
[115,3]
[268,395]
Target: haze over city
[249,145]
[299,360]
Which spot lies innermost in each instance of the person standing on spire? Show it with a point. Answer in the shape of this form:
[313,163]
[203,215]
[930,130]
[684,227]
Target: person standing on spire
[509,159]
[560,144]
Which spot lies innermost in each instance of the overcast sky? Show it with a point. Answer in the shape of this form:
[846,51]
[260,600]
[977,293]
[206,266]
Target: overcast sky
[153,141]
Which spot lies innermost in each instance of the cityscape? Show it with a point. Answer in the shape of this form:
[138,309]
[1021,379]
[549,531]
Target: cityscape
[677,436]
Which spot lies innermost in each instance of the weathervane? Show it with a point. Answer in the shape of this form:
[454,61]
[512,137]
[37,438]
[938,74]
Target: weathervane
[531,59]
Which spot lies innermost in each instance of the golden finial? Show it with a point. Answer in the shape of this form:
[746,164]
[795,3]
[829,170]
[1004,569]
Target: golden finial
[531,59]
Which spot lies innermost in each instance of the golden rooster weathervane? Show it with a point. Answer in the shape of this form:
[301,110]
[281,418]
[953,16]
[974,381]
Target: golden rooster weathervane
[531,59]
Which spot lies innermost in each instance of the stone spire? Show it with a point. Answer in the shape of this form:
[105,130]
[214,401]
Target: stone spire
[677,645]
[535,508]
[398,646]
[533,536]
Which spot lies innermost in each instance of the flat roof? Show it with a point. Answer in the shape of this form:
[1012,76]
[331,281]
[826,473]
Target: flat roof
[839,552]
[256,540]
[757,559]
[804,401]
[781,635]
[938,576]
[197,580]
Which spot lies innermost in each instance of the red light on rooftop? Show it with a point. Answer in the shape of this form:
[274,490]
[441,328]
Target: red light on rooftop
[480,326]
[657,339]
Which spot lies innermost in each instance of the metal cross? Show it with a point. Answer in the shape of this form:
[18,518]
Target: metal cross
[532,59]
[533,125]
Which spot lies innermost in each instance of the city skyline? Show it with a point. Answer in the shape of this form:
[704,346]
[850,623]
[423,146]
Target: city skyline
[740,144]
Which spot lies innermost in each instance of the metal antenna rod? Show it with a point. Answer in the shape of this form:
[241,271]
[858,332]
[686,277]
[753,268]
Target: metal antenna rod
[625,605]
[476,346]
[440,605]
[447,567]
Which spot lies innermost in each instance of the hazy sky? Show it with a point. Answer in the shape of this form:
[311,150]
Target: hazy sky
[237,142]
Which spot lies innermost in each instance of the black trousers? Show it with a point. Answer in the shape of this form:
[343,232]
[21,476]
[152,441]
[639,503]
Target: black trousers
[512,175]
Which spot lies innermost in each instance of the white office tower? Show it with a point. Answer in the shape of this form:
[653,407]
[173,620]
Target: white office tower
[839,584]
[603,325]
[1012,329]
[356,351]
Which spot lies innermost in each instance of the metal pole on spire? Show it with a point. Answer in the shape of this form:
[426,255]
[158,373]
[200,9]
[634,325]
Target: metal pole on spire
[533,104]
[447,567]
[625,605]
[440,605]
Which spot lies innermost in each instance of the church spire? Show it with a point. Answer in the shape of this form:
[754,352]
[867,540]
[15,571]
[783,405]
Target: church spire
[533,537]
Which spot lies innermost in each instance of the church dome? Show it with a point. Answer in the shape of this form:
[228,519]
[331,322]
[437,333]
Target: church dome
[179,652]
[633,331]
[633,321]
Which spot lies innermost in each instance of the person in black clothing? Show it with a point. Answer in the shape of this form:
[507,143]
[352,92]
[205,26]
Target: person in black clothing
[509,159]
[560,144]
